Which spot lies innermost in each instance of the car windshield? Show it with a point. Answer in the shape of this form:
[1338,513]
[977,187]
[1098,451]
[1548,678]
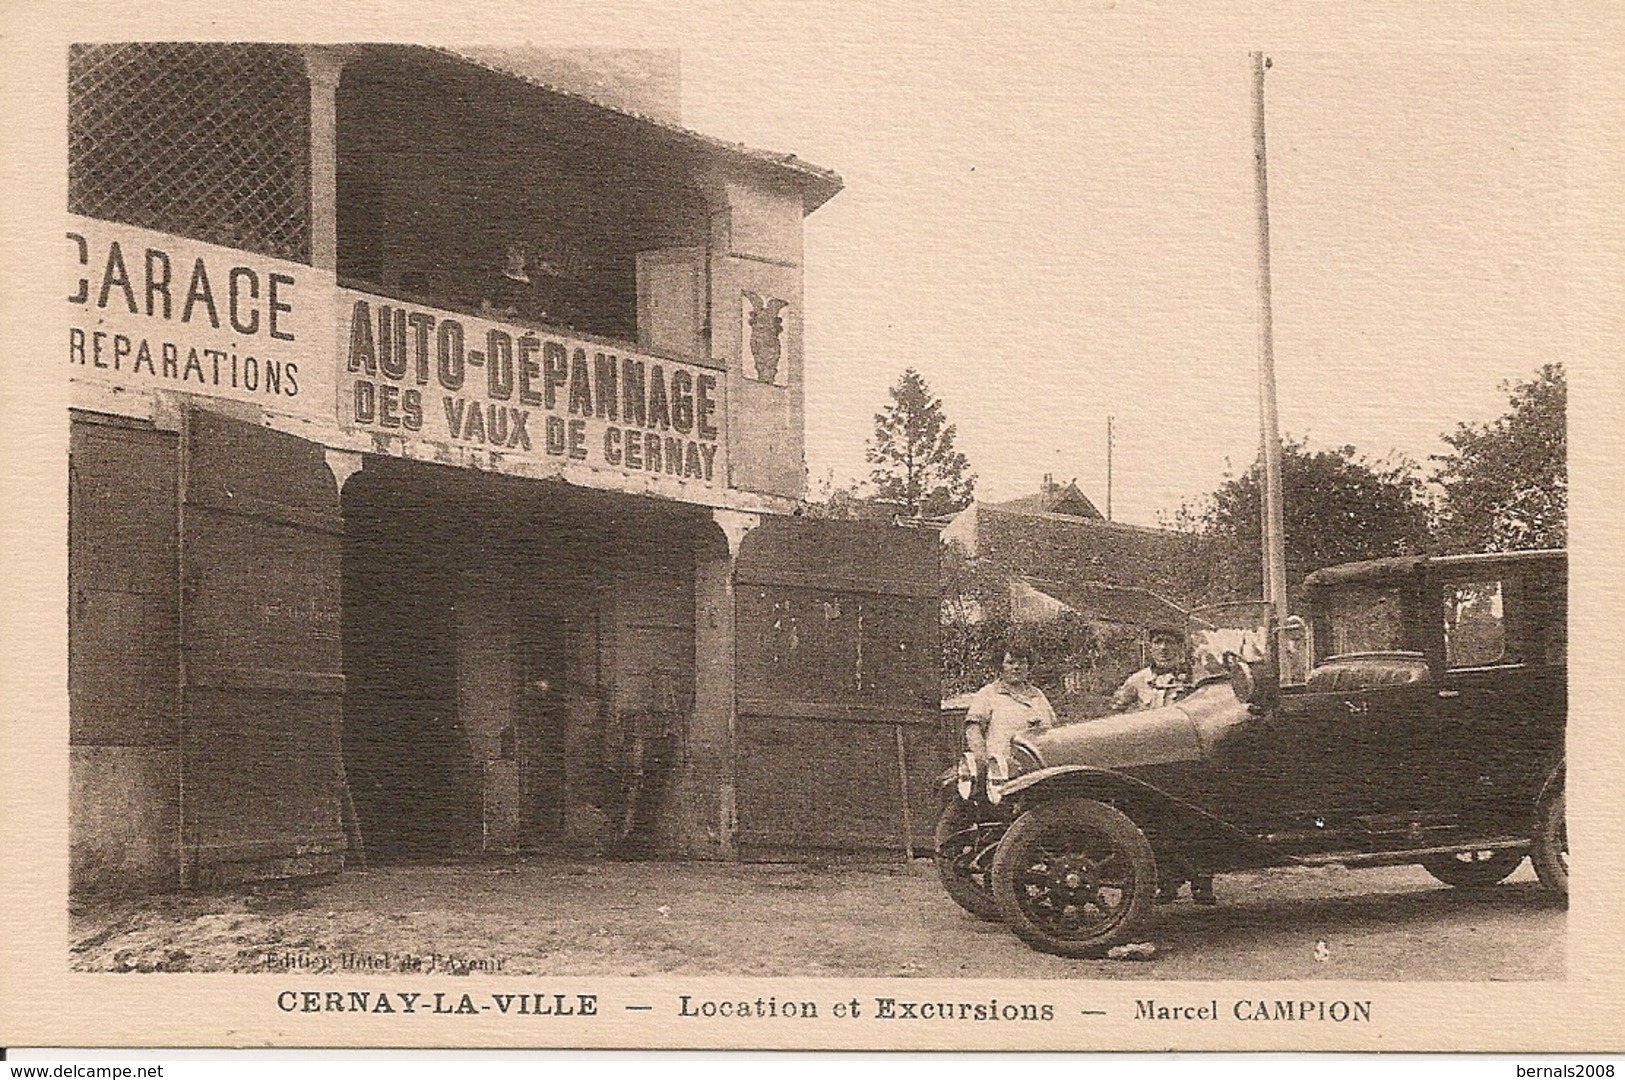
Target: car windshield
[1218,633]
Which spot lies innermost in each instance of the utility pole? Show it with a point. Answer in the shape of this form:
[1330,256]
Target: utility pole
[1274,528]
[1108,468]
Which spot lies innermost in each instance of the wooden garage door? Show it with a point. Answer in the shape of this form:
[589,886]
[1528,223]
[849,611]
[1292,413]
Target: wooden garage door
[838,737]
[121,585]
[262,682]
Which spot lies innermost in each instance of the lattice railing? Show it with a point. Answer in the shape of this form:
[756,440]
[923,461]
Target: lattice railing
[205,140]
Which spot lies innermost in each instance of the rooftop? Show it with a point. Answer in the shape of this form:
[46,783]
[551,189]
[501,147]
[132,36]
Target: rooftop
[817,185]
[1401,565]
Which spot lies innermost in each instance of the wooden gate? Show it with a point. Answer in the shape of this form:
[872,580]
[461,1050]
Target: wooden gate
[262,683]
[838,737]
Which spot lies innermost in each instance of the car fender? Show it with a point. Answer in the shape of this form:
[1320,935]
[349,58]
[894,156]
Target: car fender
[1149,806]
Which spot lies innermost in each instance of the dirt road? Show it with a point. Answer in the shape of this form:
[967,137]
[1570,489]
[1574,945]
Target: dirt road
[608,918]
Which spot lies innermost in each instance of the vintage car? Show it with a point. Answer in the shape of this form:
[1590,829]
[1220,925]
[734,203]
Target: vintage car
[1413,714]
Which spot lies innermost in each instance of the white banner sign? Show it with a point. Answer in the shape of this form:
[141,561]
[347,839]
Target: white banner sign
[471,384]
[151,311]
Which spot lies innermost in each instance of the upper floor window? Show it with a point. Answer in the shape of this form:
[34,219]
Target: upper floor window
[470,191]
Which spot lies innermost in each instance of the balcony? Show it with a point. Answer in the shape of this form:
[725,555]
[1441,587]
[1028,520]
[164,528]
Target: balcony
[474,191]
[434,190]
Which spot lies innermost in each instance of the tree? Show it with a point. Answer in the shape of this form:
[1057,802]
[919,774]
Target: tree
[916,465]
[1506,486]
[1337,506]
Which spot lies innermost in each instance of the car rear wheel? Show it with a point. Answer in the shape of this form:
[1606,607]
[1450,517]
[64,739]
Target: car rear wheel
[1473,869]
[964,859]
[1550,852]
[1074,877]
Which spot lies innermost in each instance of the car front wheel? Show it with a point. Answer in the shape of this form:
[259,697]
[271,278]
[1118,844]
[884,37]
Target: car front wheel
[1473,869]
[1550,852]
[964,859]
[1074,877]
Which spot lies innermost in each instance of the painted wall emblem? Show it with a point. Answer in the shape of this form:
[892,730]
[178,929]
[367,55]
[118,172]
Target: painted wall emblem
[766,333]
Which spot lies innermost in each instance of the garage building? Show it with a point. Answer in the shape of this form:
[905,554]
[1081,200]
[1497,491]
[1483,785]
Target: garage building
[435,465]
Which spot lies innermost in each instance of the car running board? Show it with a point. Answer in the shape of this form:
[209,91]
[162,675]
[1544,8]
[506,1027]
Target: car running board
[1409,855]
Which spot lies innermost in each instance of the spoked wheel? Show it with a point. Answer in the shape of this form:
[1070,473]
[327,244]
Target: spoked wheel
[1074,877]
[1473,869]
[1550,852]
[964,858]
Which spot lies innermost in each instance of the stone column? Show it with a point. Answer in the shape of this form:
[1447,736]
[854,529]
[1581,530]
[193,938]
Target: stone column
[324,64]
[704,798]
[343,464]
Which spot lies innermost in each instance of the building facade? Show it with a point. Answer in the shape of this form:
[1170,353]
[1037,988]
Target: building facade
[436,447]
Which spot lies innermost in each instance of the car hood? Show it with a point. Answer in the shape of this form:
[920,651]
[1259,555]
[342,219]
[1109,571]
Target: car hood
[1184,731]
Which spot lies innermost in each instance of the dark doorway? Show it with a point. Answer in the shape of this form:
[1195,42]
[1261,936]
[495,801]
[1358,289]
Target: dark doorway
[507,642]
[541,712]
[410,763]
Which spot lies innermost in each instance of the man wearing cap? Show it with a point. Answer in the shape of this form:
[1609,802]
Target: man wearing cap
[1160,683]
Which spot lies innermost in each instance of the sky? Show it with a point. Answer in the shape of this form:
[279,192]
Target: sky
[1055,222]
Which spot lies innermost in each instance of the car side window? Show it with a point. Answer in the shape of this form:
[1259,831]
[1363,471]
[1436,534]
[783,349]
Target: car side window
[1360,621]
[1475,631]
